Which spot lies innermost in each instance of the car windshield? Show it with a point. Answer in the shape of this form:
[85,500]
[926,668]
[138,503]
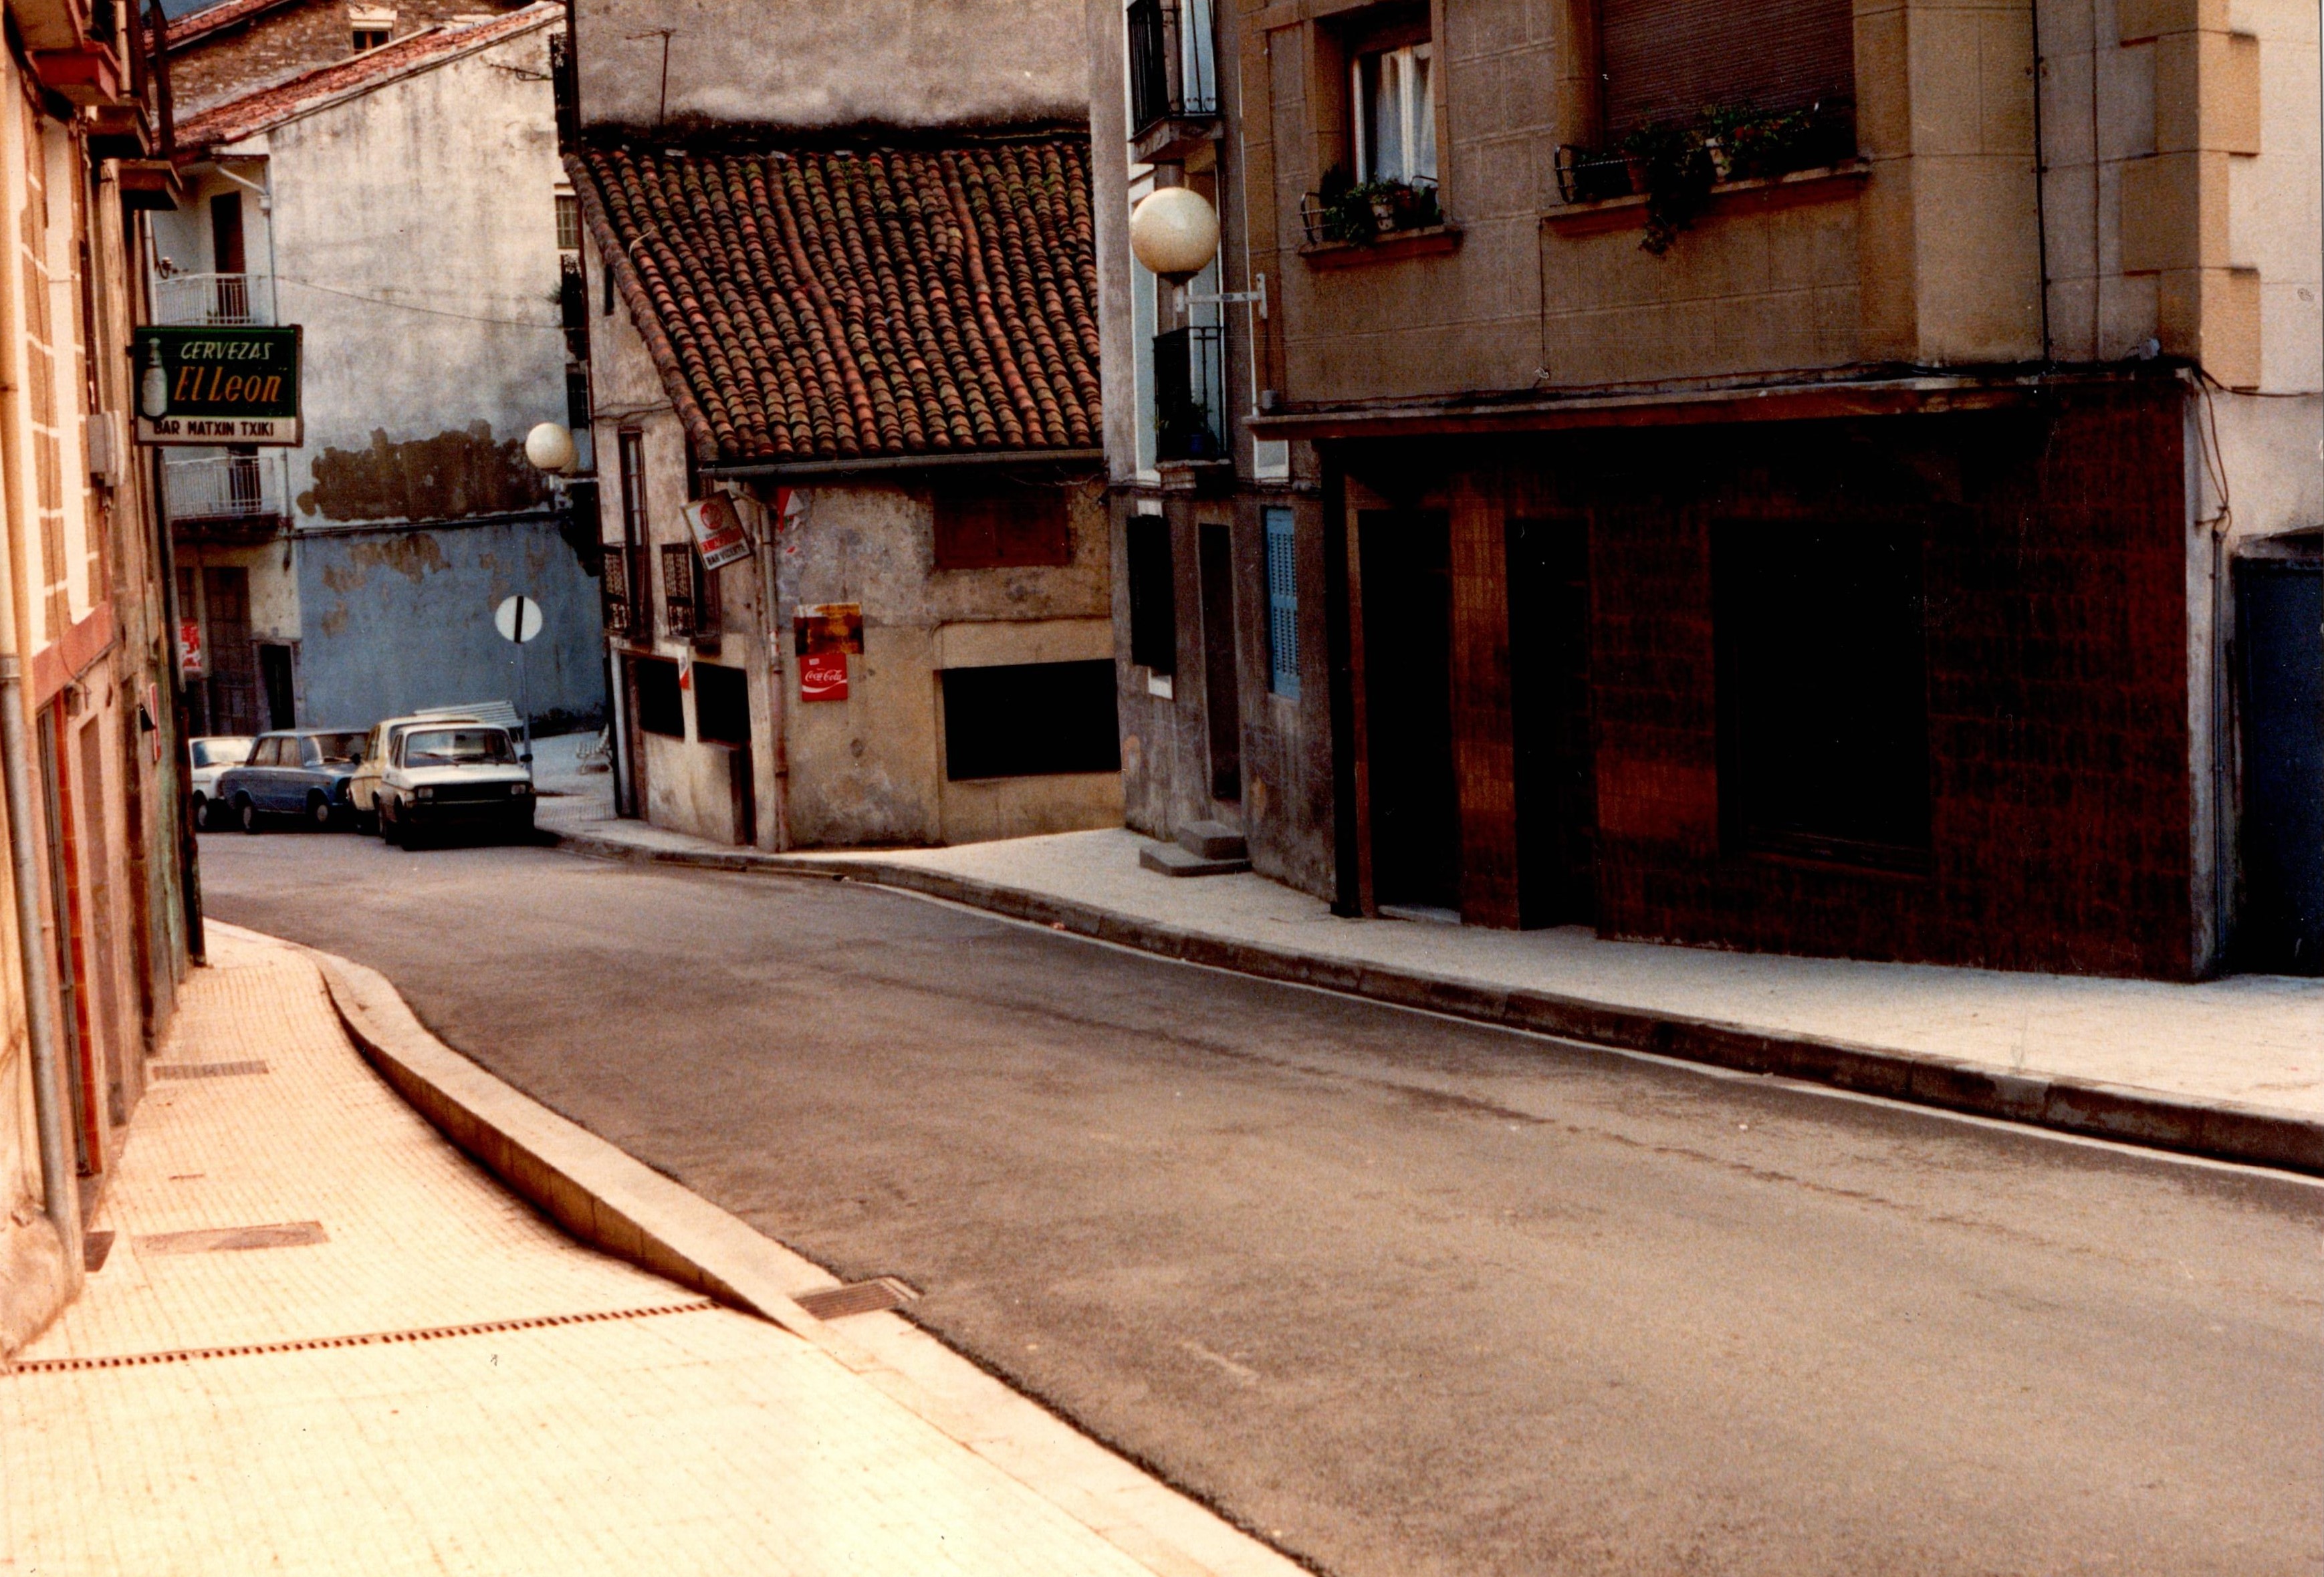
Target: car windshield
[459,747]
[222,751]
[340,749]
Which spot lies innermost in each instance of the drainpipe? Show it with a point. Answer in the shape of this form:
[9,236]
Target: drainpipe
[59,1176]
[777,681]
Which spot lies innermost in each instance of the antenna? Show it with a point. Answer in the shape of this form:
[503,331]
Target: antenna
[661,110]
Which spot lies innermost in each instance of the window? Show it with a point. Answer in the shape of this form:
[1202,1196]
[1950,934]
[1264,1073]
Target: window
[1030,720]
[661,709]
[372,26]
[459,747]
[576,399]
[1670,60]
[1005,526]
[633,446]
[680,572]
[1823,715]
[721,704]
[1282,603]
[568,222]
[1153,595]
[1395,100]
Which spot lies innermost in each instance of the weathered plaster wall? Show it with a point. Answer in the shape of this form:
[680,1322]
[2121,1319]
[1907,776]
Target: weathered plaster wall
[397,620]
[283,43]
[809,63]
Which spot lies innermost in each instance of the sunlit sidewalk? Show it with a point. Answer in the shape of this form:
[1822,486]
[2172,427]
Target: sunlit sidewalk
[322,1340]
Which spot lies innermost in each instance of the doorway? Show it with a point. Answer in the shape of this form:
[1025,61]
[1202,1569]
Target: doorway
[1406,562]
[1221,694]
[233,696]
[274,679]
[2281,607]
[1549,695]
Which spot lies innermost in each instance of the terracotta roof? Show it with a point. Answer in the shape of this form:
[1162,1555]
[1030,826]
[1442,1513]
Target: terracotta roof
[261,108]
[819,304]
[200,25]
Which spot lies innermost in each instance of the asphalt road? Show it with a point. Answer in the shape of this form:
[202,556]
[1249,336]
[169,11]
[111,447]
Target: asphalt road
[1402,1295]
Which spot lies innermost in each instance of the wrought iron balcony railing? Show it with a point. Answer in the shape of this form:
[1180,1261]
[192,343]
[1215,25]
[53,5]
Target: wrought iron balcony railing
[1173,67]
[1190,384]
[226,487]
[205,299]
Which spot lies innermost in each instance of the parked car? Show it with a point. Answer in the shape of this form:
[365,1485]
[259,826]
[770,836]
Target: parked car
[362,788]
[302,773]
[450,776]
[207,757]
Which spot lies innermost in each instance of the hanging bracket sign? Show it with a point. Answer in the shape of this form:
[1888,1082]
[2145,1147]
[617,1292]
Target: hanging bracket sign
[718,533]
[213,385]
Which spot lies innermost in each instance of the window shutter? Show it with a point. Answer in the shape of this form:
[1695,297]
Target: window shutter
[1282,603]
[1672,59]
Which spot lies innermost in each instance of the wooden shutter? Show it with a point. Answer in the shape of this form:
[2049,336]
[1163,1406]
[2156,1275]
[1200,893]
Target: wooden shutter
[1672,59]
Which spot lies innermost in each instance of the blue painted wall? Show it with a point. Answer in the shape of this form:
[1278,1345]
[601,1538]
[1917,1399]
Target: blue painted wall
[401,618]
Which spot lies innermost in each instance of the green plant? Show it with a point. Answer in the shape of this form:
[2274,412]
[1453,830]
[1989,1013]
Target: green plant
[1360,213]
[1752,145]
[1677,170]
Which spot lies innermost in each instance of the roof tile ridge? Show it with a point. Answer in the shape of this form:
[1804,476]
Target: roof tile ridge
[946,287]
[746,278]
[1030,262]
[659,265]
[1057,282]
[869,323]
[1004,382]
[1076,242]
[826,283]
[1016,355]
[900,277]
[731,336]
[795,211]
[659,349]
[772,263]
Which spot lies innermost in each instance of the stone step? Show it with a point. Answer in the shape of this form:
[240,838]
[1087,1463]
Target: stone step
[1212,840]
[1172,861]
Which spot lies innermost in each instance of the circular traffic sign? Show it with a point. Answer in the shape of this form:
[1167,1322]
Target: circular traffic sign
[506,617]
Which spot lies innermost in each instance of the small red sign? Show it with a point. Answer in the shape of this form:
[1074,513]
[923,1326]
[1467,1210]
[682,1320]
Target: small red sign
[189,648]
[823,676]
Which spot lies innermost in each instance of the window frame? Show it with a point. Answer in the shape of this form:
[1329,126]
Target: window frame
[1414,121]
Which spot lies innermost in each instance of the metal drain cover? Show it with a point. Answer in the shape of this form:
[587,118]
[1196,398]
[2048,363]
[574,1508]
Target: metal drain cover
[203,1070]
[861,1297]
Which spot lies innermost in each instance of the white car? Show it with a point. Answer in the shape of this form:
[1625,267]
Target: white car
[207,757]
[362,788]
[447,776]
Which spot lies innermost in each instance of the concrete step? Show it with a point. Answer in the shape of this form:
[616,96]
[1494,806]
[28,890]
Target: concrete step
[1212,840]
[1172,861]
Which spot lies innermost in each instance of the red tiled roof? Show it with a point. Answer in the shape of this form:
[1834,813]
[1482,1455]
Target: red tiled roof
[187,29]
[820,304]
[261,108]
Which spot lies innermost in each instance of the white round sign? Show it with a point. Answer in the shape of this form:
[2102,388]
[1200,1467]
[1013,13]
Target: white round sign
[506,617]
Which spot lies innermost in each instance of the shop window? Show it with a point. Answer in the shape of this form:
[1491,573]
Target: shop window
[1153,595]
[1282,603]
[1394,106]
[661,708]
[1003,527]
[1823,710]
[1030,720]
[721,704]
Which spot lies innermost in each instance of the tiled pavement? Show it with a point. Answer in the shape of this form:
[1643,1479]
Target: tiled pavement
[601,1419]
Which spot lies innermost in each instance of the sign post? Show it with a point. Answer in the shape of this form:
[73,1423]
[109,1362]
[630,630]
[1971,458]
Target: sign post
[232,385]
[518,618]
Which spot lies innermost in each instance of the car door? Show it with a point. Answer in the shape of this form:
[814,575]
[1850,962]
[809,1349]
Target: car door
[307,776]
[273,768]
[253,776]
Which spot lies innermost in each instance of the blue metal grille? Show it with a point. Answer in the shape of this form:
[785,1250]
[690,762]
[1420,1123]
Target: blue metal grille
[1282,603]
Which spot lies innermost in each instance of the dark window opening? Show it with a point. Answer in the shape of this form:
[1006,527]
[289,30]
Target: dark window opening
[721,704]
[367,39]
[632,447]
[680,610]
[226,233]
[576,399]
[1823,712]
[1153,595]
[1671,61]
[661,708]
[572,305]
[1030,720]
[1003,527]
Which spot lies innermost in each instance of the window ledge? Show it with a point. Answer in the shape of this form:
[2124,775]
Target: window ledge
[1825,180]
[1433,241]
[1196,475]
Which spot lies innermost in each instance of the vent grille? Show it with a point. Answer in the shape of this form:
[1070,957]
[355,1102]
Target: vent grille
[204,1070]
[861,1297]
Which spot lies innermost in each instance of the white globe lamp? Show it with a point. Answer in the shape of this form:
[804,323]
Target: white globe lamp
[1175,233]
[549,447]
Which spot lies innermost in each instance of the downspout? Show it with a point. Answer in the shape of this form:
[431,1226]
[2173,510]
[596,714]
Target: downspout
[778,680]
[2042,179]
[60,1177]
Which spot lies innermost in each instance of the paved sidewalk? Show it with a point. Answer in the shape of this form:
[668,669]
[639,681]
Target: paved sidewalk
[2184,1063]
[323,1341]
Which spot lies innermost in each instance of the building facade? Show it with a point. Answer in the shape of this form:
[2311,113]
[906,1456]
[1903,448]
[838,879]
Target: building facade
[93,937]
[354,577]
[1759,476]
[843,300]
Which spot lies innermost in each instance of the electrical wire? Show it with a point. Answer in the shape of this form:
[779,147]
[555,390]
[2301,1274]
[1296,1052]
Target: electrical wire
[411,307]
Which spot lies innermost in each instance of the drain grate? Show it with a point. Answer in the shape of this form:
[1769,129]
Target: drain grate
[861,1297]
[373,1339]
[289,1234]
[203,1070]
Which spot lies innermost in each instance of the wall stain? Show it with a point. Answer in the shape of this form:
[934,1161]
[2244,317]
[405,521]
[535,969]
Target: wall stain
[454,474]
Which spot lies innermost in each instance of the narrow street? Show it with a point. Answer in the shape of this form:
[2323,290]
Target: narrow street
[1404,1295]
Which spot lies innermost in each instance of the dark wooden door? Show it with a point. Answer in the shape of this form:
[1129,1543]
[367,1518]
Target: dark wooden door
[274,676]
[232,692]
[1222,694]
[1549,684]
[2281,604]
[1407,568]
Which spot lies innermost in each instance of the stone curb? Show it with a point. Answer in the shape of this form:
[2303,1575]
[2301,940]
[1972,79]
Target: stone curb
[2223,1131]
[609,1199]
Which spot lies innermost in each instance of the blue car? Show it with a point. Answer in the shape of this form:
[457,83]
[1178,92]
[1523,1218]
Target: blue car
[303,772]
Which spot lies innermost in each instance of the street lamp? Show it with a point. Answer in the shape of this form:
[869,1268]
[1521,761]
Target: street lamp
[1174,231]
[549,447]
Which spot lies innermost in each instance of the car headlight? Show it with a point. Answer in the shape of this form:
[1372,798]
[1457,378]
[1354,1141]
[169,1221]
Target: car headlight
[424,791]
[519,789]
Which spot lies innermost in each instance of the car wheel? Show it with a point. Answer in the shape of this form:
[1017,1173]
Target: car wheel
[319,812]
[390,829]
[201,812]
[366,821]
[247,811]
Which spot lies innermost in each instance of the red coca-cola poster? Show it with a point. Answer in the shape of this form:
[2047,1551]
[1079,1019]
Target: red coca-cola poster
[822,676]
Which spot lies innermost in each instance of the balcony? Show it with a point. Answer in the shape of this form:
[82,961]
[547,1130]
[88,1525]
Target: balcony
[1190,383]
[1173,86]
[213,300]
[228,498]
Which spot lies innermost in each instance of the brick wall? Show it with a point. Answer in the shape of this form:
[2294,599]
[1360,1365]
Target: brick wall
[288,40]
[2054,567]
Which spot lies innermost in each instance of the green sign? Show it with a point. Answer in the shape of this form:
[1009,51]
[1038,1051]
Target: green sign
[217,386]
